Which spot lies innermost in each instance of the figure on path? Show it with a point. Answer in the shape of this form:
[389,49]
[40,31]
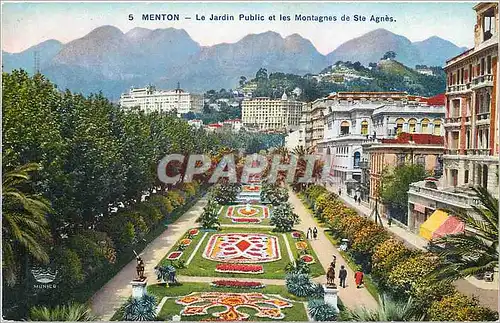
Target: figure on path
[358,277]
[315,233]
[309,234]
[340,191]
[342,276]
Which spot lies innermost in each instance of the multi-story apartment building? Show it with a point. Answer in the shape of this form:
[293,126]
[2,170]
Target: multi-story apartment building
[271,114]
[306,125]
[318,108]
[353,117]
[149,99]
[408,148]
[471,126]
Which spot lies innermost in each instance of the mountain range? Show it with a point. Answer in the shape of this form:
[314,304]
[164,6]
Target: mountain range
[108,60]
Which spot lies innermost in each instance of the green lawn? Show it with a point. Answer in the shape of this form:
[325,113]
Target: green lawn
[200,266]
[224,219]
[170,308]
[316,268]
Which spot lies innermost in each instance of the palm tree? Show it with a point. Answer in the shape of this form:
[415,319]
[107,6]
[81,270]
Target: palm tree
[466,254]
[388,310]
[72,312]
[24,225]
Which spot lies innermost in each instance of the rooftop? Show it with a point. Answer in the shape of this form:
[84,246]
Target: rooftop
[417,138]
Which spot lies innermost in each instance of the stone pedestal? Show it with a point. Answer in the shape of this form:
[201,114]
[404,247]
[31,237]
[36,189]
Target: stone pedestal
[331,296]
[139,288]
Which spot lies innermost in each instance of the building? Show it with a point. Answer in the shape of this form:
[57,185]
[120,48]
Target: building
[317,113]
[149,99]
[295,138]
[354,117]
[264,113]
[214,127]
[424,149]
[305,124]
[233,125]
[471,126]
[196,123]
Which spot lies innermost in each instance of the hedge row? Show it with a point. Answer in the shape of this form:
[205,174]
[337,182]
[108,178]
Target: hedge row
[396,269]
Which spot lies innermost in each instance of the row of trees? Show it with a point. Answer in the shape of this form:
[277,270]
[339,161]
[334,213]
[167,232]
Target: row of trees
[423,277]
[80,185]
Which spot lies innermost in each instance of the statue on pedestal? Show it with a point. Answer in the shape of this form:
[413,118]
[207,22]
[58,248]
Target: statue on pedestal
[140,267]
[330,276]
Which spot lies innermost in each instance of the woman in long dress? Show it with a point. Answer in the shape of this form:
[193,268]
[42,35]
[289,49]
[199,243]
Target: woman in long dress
[358,277]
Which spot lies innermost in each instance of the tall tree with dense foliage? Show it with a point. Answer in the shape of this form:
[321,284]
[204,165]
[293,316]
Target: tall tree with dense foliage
[394,188]
[467,254]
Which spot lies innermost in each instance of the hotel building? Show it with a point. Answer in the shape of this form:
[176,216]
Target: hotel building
[149,99]
[264,113]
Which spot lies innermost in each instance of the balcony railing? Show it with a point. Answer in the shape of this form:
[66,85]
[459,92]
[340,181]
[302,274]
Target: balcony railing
[458,88]
[479,152]
[445,196]
[453,119]
[483,116]
[483,80]
[364,164]
[453,151]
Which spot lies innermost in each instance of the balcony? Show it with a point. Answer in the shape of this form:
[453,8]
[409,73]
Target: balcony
[451,196]
[483,116]
[364,164]
[482,81]
[452,120]
[453,151]
[458,88]
[479,152]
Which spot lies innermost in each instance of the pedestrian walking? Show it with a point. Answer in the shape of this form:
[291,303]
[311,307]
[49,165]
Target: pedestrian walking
[340,191]
[309,234]
[342,276]
[389,220]
[359,200]
[355,198]
[358,278]
[315,233]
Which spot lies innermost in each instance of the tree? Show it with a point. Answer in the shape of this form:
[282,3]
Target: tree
[273,193]
[261,74]
[72,312]
[394,187]
[24,226]
[243,80]
[225,193]
[458,307]
[209,219]
[389,55]
[283,218]
[465,254]
[388,310]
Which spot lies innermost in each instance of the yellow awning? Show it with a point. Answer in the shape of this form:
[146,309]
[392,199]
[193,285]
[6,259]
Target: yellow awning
[432,224]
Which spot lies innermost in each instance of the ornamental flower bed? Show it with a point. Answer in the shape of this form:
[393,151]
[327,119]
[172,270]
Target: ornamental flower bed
[185,242]
[296,235]
[308,259]
[245,220]
[301,245]
[174,255]
[193,232]
[239,269]
[237,284]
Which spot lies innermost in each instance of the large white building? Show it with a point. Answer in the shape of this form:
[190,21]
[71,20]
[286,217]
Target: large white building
[351,118]
[264,113]
[149,99]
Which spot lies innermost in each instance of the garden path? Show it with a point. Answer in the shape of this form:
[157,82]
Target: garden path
[350,296]
[111,296]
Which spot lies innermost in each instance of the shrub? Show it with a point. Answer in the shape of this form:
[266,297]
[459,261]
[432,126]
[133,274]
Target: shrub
[70,266]
[225,193]
[274,193]
[143,309]
[368,237]
[283,218]
[321,311]
[317,291]
[387,255]
[71,312]
[175,198]
[209,219]
[299,284]
[458,307]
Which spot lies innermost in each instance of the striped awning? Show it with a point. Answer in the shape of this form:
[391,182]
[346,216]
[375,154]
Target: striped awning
[440,224]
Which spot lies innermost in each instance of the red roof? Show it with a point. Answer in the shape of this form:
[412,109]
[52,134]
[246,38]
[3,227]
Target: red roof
[418,138]
[215,125]
[439,99]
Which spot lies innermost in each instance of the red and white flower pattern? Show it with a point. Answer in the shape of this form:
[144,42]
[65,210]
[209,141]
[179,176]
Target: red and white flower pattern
[242,248]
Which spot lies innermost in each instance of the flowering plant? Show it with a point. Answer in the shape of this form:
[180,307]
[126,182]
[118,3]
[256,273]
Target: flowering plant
[301,245]
[185,242]
[296,234]
[245,220]
[193,232]
[239,268]
[237,284]
[308,259]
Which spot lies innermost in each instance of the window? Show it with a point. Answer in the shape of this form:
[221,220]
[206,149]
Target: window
[412,123]
[399,125]
[437,127]
[344,128]
[482,66]
[400,159]
[425,126]
[466,176]
[357,158]
[364,127]
[420,160]
[488,64]
[488,24]
[470,72]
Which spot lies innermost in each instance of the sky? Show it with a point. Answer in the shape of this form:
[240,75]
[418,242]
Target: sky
[27,24]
